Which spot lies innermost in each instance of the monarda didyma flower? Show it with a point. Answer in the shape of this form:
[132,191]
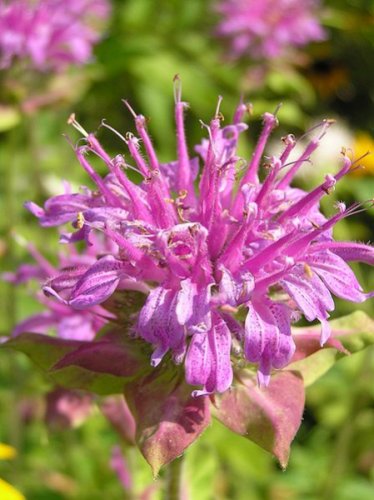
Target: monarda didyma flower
[51,34]
[58,318]
[226,261]
[268,28]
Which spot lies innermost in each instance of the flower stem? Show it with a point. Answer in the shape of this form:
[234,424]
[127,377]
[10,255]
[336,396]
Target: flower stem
[173,489]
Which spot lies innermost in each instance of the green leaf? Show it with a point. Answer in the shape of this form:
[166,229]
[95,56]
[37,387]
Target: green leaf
[77,377]
[350,334]
[355,331]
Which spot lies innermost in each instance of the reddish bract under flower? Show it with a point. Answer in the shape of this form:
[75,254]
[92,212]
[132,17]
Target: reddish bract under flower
[205,256]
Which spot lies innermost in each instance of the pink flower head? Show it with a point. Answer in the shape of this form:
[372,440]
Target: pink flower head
[50,33]
[67,408]
[61,319]
[267,28]
[227,261]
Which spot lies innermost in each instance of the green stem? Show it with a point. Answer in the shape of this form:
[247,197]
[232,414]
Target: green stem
[173,489]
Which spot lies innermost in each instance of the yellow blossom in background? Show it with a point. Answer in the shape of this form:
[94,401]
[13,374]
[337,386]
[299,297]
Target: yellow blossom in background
[364,144]
[7,492]
[7,452]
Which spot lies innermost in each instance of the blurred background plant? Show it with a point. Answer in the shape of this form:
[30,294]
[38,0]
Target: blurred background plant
[144,44]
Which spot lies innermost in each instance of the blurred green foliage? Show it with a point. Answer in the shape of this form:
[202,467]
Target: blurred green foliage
[146,44]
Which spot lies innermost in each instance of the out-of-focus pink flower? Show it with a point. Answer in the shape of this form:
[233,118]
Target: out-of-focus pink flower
[267,28]
[51,34]
[67,408]
[66,322]
[119,465]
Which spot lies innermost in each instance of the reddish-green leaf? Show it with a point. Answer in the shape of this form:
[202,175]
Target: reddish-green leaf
[111,355]
[43,350]
[168,419]
[101,366]
[269,416]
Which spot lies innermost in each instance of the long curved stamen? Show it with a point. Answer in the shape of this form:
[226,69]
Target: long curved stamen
[72,121]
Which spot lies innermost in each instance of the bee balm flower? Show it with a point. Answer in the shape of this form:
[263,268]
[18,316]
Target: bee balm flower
[227,262]
[50,33]
[266,29]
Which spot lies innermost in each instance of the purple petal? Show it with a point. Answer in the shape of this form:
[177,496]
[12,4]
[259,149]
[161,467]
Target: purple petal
[24,273]
[201,320]
[268,337]
[61,208]
[309,293]
[34,209]
[208,360]
[67,279]
[76,327]
[159,325]
[228,287]
[221,375]
[286,346]
[348,251]
[81,235]
[158,354]
[198,360]
[97,284]
[185,301]
[237,291]
[51,292]
[264,369]
[153,320]
[325,331]
[170,172]
[337,275]
[101,216]
[255,334]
